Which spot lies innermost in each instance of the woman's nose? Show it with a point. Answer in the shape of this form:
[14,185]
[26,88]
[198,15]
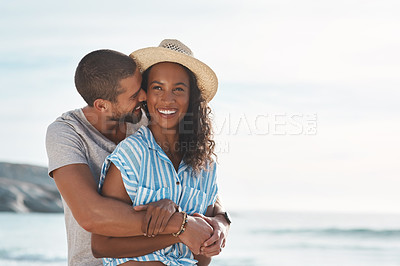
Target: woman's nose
[168,97]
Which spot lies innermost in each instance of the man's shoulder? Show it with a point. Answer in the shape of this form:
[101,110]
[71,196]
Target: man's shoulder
[67,128]
[73,120]
[64,142]
[70,117]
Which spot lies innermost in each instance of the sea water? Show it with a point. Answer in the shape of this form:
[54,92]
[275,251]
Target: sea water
[32,239]
[256,238]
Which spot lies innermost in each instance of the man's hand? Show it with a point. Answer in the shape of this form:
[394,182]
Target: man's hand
[196,233]
[157,216]
[213,245]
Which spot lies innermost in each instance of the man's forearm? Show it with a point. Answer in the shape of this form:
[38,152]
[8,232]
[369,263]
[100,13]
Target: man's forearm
[220,222]
[218,208]
[111,217]
[118,219]
[219,213]
[95,213]
[115,218]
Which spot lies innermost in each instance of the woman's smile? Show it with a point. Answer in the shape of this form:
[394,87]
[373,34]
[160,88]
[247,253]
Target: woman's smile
[167,112]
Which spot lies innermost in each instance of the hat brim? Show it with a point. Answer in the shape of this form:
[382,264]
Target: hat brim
[206,79]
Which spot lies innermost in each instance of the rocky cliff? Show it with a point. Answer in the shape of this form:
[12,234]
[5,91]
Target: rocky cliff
[27,188]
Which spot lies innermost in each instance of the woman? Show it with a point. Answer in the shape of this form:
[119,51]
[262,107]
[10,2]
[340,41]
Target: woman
[169,162]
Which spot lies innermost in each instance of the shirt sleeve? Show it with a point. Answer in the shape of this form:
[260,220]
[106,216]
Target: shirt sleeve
[64,146]
[125,161]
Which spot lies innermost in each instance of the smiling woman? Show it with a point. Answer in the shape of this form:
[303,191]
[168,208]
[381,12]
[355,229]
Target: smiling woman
[195,129]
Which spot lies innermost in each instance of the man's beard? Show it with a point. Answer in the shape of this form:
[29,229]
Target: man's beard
[127,118]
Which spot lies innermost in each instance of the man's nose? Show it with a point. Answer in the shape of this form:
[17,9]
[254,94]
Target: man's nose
[142,96]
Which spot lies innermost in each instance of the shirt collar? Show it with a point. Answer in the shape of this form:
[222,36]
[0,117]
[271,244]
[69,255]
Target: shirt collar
[148,138]
[150,141]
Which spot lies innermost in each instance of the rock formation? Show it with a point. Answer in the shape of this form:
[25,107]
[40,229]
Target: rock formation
[27,188]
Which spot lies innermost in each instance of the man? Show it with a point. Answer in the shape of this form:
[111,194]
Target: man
[77,144]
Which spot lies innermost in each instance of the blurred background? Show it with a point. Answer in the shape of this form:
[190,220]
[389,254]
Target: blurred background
[306,115]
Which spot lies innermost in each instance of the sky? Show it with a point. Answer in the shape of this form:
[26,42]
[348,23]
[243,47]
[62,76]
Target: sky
[307,111]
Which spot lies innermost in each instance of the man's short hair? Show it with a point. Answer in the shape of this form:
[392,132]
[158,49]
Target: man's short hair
[99,73]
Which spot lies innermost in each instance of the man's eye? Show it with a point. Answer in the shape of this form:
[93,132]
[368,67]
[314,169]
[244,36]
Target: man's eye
[156,88]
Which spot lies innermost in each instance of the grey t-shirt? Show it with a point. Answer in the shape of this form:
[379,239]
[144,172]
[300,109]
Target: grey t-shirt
[71,139]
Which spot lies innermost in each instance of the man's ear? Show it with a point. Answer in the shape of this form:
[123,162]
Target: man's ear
[101,105]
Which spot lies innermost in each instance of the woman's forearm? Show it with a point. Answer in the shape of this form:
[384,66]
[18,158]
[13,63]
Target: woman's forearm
[202,260]
[117,247]
[122,247]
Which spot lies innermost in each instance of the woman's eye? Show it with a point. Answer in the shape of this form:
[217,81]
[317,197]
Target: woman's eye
[156,88]
[179,89]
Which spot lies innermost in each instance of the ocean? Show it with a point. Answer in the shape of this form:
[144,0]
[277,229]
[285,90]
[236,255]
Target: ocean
[256,238]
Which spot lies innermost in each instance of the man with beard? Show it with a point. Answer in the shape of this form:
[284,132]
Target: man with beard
[77,144]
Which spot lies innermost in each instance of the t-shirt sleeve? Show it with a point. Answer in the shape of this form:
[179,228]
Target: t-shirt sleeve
[212,186]
[125,158]
[64,146]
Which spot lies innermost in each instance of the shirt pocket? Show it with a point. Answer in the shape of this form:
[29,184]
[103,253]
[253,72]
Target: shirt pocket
[193,201]
[146,195]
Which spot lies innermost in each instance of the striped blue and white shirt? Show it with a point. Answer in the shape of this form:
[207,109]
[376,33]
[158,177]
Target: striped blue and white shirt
[149,175]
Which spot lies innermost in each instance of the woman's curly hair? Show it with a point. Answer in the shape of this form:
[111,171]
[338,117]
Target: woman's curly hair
[195,129]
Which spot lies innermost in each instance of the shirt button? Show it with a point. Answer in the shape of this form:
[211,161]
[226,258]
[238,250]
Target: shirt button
[177,182]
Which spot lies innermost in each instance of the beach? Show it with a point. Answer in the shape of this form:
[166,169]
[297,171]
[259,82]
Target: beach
[256,238]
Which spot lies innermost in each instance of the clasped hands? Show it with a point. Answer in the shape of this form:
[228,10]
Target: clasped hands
[203,235]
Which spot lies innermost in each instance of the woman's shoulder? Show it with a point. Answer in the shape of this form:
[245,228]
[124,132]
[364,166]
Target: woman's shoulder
[135,143]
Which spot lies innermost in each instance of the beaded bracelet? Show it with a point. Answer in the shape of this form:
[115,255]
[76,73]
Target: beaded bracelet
[183,226]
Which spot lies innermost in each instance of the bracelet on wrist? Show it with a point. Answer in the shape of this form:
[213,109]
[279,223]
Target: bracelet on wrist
[183,225]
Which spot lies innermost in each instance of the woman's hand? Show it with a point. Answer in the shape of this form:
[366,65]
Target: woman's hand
[157,216]
[213,246]
[196,233]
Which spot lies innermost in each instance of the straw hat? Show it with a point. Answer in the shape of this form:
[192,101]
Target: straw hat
[176,52]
